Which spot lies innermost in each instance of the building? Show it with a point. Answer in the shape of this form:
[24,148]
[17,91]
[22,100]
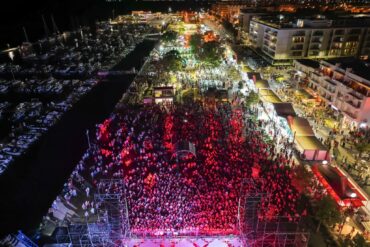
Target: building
[246,16]
[283,38]
[229,10]
[344,85]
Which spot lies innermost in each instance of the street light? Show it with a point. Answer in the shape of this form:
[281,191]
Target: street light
[324,162]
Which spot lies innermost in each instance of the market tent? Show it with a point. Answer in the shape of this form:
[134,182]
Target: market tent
[254,76]
[269,96]
[304,95]
[284,109]
[300,126]
[311,147]
[338,186]
[262,84]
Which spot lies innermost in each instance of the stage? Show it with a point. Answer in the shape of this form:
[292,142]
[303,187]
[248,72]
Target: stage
[221,241]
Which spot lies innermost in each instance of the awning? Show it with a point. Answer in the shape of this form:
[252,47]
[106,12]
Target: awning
[300,126]
[338,186]
[262,84]
[304,94]
[284,109]
[309,143]
[254,76]
[269,96]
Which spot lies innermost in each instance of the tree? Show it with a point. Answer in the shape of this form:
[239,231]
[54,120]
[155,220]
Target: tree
[172,60]
[195,43]
[359,241]
[240,85]
[327,212]
[252,99]
[170,36]
[230,28]
[362,147]
[211,53]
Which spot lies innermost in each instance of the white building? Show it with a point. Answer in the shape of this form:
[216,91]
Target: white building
[281,39]
[344,85]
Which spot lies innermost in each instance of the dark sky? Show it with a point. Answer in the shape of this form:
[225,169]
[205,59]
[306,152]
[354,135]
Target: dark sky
[14,14]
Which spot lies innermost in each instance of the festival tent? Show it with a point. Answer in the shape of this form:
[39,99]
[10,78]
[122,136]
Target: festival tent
[163,94]
[300,126]
[262,84]
[268,96]
[338,186]
[254,76]
[311,148]
[284,109]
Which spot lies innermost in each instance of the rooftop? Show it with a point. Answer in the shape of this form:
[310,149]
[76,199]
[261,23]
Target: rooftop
[358,66]
[297,20]
[309,62]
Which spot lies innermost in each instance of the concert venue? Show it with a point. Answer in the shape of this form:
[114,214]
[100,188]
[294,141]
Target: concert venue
[164,129]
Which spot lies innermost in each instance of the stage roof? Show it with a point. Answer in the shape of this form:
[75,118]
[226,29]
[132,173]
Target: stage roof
[300,126]
[309,143]
[284,109]
[262,84]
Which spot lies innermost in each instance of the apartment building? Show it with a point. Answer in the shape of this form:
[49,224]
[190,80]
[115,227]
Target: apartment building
[281,39]
[229,10]
[344,85]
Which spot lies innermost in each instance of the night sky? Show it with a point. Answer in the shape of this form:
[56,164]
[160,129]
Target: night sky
[67,13]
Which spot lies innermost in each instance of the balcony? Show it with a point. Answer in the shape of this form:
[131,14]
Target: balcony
[326,97]
[270,32]
[297,48]
[339,32]
[315,47]
[270,38]
[330,81]
[356,95]
[318,33]
[299,34]
[316,41]
[314,82]
[355,32]
[328,90]
[353,105]
[351,115]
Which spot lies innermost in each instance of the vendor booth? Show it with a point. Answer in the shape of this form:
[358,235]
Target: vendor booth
[284,109]
[163,94]
[338,186]
[311,148]
[268,96]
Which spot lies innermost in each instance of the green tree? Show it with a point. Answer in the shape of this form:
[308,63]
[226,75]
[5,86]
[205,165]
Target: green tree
[359,241]
[252,99]
[327,212]
[240,85]
[170,36]
[211,53]
[195,43]
[362,147]
[345,242]
[172,60]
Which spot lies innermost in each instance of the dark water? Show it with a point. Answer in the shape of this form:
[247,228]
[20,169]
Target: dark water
[69,14]
[30,184]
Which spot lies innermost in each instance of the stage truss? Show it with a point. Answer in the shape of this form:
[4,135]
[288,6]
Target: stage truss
[276,231]
[110,227]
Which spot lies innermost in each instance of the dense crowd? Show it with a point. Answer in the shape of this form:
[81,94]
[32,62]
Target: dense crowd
[195,191]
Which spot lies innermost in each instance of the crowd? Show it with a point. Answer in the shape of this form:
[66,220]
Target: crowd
[198,191]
